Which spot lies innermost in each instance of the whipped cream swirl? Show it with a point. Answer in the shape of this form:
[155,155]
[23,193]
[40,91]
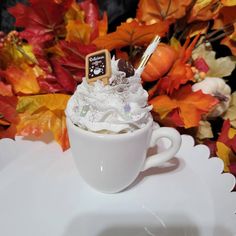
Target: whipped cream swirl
[118,107]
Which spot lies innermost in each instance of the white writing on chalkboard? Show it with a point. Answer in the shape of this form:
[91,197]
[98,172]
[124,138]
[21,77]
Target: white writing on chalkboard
[96,58]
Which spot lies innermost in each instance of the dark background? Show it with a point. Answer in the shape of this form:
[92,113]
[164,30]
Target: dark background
[6,20]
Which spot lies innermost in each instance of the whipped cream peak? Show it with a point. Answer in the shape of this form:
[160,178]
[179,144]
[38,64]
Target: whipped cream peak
[121,106]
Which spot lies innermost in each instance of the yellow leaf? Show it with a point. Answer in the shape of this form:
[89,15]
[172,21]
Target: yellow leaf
[228,2]
[223,152]
[15,54]
[41,113]
[77,31]
[232,133]
[175,44]
[31,104]
[75,13]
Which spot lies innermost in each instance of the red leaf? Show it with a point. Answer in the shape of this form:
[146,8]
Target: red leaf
[8,116]
[5,89]
[64,77]
[8,108]
[42,19]
[49,84]
[91,16]
[173,119]
[66,67]
[8,132]
[73,58]
[232,168]
[42,58]
[212,146]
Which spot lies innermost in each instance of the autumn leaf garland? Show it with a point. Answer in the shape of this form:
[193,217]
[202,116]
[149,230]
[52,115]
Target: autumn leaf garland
[41,66]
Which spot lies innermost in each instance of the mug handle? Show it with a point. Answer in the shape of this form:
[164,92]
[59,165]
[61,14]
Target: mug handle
[157,159]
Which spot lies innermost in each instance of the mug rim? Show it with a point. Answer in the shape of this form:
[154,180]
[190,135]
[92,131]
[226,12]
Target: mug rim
[77,129]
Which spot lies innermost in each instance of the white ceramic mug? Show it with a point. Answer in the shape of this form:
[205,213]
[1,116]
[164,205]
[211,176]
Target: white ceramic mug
[111,162]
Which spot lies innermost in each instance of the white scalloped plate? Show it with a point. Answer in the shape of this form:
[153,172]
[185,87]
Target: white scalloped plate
[41,194]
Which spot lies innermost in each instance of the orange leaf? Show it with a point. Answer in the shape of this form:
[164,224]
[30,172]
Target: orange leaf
[132,33]
[163,105]
[226,21]
[191,105]
[204,10]
[22,78]
[77,31]
[179,74]
[103,25]
[226,17]
[152,10]
[42,113]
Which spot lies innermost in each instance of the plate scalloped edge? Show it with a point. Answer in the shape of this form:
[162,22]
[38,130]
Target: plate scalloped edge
[221,184]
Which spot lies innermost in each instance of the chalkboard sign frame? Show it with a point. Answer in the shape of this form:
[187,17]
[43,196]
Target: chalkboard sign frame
[96,61]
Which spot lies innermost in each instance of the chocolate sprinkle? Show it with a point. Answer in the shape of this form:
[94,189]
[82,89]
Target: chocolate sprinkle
[126,67]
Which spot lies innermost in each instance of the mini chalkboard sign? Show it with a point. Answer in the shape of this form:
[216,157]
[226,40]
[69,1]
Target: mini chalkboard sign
[98,66]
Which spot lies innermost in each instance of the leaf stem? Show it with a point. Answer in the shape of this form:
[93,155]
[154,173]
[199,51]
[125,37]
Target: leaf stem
[228,26]
[159,9]
[217,37]
[168,8]
[21,50]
